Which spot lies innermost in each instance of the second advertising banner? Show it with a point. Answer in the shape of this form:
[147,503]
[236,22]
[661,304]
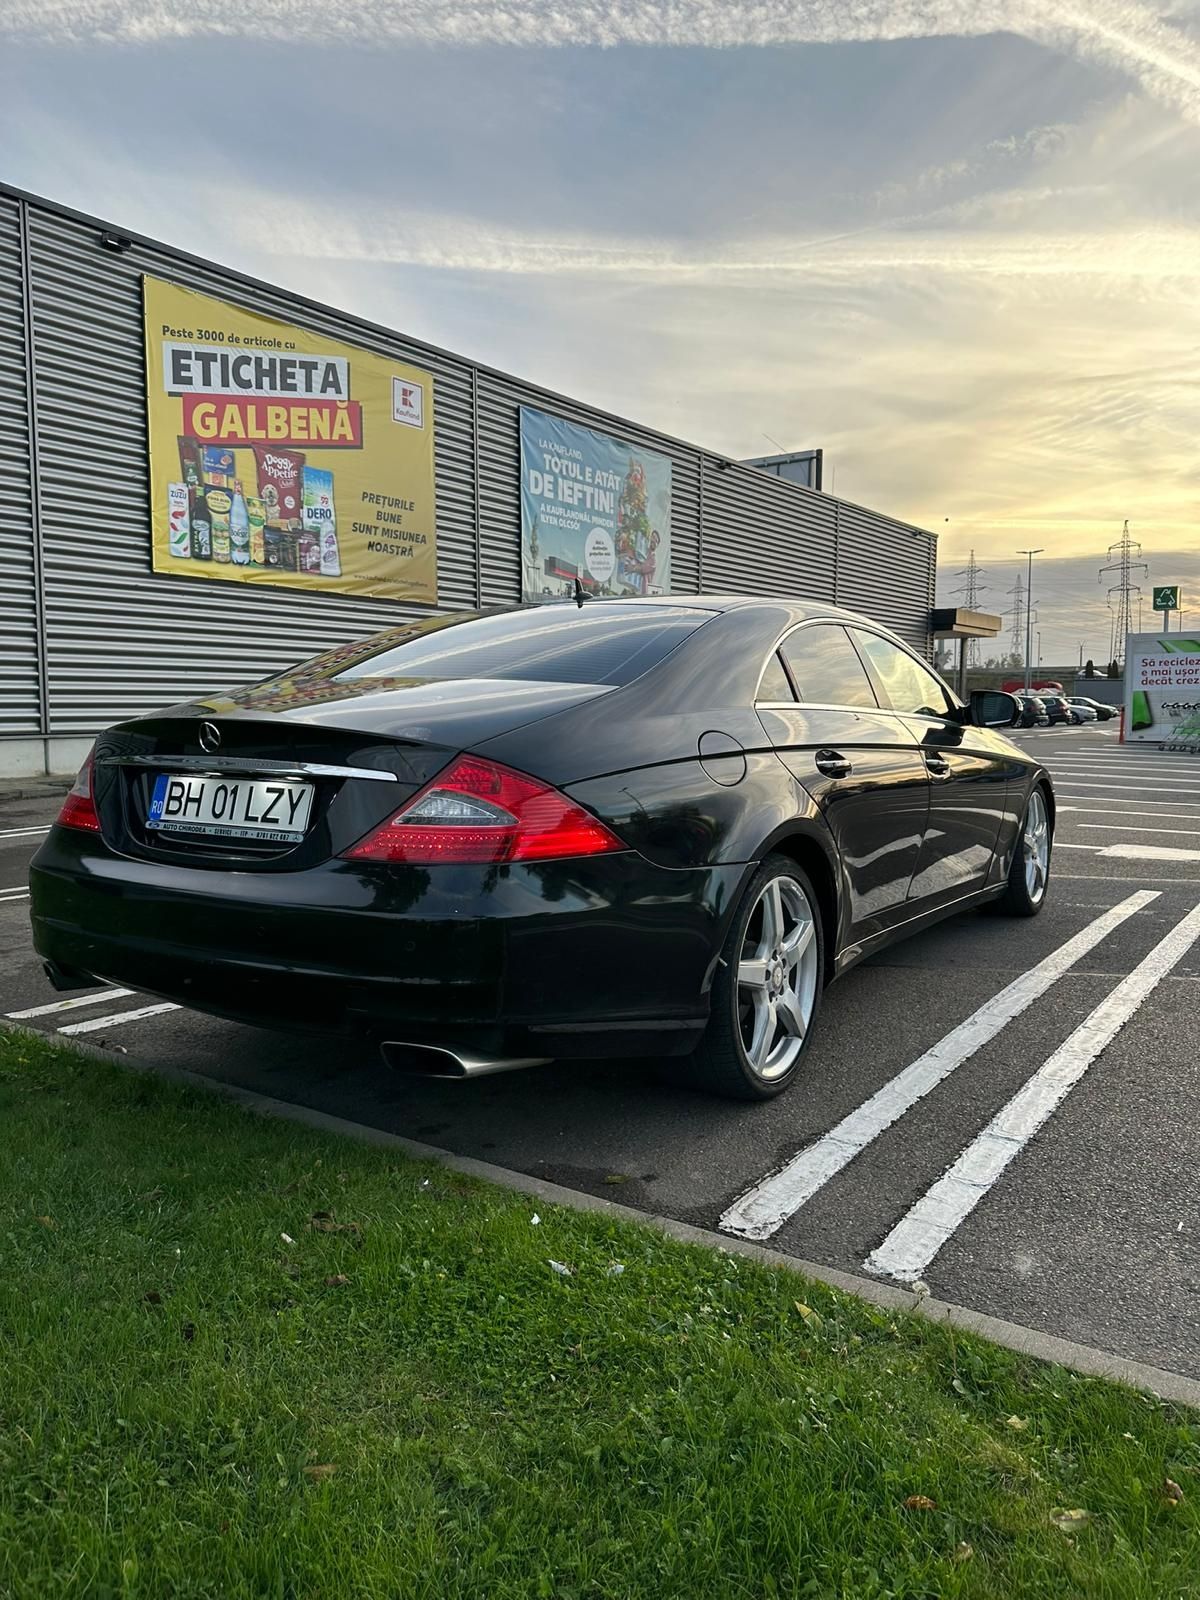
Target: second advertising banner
[593,508]
[280,456]
[1162,690]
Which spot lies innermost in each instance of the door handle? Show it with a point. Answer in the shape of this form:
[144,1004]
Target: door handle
[832,764]
[937,766]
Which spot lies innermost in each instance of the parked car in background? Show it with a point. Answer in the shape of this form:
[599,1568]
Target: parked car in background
[1057,709]
[632,827]
[1033,712]
[1103,713]
[1080,712]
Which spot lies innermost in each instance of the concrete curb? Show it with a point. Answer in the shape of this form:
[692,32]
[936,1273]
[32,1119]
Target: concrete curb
[1081,1358]
[34,788]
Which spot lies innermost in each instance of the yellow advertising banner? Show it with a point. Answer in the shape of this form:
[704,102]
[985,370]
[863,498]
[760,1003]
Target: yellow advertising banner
[280,456]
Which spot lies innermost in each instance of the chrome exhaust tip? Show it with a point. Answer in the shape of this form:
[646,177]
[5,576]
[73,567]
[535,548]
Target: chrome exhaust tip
[439,1061]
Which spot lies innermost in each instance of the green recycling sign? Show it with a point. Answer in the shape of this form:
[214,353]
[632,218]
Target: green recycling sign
[1166,597]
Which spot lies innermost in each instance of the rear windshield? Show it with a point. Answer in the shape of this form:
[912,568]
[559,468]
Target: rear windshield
[598,643]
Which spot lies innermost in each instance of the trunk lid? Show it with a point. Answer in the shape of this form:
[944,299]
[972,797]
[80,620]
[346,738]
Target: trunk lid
[364,747]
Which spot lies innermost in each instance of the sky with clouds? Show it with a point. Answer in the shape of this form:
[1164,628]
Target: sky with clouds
[955,244]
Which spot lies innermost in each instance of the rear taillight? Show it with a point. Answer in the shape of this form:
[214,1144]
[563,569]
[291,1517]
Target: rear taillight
[480,813]
[79,809]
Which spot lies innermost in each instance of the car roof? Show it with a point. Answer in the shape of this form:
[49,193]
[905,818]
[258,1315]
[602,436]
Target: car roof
[801,609]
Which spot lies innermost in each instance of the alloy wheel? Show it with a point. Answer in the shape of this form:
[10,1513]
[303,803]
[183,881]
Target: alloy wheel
[777,978]
[1036,844]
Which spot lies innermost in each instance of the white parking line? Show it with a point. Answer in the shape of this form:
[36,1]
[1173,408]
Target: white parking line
[1159,785]
[68,1005]
[763,1210]
[95,1024]
[1148,852]
[1120,827]
[1132,852]
[917,1237]
[1116,769]
[1137,811]
[1150,780]
[13,894]
[20,833]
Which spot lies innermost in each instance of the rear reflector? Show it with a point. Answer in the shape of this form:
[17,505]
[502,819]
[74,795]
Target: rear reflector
[79,810]
[481,813]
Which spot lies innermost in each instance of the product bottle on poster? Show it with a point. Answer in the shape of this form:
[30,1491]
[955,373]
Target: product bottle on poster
[258,519]
[220,503]
[1143,717]
[331,561]
[201,523]
[178,526]
[239,527]
[308,545]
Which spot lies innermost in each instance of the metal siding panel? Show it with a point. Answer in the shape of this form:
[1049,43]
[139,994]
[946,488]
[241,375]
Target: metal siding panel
[20,700]
[763,535]
[886,571]
[160,639]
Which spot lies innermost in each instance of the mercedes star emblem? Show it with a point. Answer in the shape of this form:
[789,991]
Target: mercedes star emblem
[210,737]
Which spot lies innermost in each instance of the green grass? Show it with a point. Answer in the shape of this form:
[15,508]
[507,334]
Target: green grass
[173,1370]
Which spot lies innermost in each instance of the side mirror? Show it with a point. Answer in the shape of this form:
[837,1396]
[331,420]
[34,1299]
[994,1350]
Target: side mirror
[993,708]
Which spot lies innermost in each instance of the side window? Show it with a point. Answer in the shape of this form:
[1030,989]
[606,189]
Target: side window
[826,667]
[774,686]
[908,685]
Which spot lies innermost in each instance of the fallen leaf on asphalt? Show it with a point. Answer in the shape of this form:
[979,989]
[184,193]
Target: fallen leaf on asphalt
[1068,1521]
[920,1502]
[963,1552]
[337,1281]
[1017,1424]
[317,1474]
[1171,1493]
[616,1177]
[808,1313]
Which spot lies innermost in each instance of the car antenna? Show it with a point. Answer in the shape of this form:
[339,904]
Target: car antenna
[581,593]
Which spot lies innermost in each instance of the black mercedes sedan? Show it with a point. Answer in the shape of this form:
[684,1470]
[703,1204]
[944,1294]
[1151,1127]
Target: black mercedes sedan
[649,827]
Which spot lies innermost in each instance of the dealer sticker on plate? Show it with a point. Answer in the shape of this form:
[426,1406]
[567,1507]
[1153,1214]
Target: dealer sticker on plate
[231,808]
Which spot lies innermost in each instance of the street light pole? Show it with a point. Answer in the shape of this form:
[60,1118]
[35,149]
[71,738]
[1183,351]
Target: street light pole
[1029,613]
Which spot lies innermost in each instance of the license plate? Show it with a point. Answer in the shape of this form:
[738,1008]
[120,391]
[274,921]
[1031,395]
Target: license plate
[231,808]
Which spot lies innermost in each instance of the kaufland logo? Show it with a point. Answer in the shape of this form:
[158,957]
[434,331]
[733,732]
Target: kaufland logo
[408,402]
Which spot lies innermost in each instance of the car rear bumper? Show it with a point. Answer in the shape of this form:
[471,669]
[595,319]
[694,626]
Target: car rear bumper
[590,957]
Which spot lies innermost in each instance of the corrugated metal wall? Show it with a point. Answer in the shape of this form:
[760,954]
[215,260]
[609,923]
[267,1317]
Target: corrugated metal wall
[887,570]
[120,639]
[20,691]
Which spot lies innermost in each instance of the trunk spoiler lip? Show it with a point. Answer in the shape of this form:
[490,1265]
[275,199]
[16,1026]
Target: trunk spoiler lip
[217,766]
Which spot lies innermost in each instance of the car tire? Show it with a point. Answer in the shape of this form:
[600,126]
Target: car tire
[1024,894]
[767,990]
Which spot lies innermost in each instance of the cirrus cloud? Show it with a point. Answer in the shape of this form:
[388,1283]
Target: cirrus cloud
[1151,45]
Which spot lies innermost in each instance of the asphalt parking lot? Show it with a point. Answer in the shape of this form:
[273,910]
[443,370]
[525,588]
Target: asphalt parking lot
[1004,1110]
